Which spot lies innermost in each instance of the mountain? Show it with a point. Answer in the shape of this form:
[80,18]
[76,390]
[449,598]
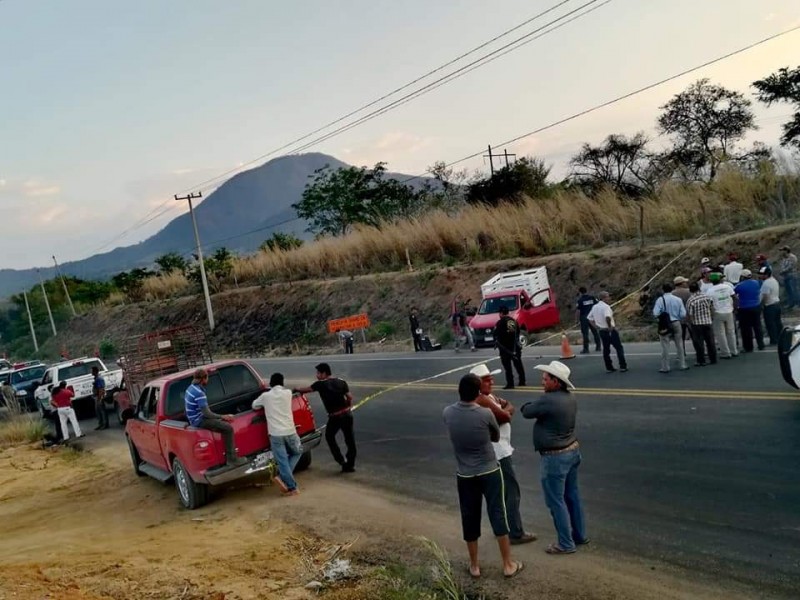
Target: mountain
[256,199]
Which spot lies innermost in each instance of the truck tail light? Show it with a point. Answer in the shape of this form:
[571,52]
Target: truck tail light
[203,450]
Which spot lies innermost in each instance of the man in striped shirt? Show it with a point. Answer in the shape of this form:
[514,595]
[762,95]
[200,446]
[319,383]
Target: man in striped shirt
[199,415]
[700,309]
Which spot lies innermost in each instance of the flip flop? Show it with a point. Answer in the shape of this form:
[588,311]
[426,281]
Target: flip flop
[473,575]
[517,570]
[554,549]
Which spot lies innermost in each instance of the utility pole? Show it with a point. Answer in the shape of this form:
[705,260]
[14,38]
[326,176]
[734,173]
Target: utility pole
[66,291]
[30,321]
[209,310]
[47,303]
[491,156]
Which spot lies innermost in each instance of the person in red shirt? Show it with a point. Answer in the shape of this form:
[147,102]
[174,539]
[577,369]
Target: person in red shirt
[61,401]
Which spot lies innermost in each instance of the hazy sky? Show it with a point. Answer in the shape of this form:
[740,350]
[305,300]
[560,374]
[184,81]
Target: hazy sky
[110,107]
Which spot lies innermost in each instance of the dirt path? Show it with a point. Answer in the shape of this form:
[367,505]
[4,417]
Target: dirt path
[81,525]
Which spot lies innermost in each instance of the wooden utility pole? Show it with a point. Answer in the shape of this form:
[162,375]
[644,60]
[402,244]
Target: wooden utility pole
[203,278]
[30,321]
[66,291]
[47,303]
[491,156]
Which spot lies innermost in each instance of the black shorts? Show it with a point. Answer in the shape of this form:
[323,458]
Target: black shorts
[471,492]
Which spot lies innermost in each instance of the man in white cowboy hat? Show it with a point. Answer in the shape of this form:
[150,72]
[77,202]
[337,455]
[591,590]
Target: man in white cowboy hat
[503,410]
[554,439]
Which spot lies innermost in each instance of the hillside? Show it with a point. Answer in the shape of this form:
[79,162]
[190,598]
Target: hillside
[291,317]
[255,199]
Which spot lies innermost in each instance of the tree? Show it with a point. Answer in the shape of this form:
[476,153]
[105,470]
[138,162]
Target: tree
[336,200]
[706,121]
[783,86]
[525,177]
[130,282]
[620,163]
[218,266]
[172,261]
[281,241]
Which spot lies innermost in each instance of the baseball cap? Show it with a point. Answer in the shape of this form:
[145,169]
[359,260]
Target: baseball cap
[765,271]
[761,257]
[786,248]
[715,277]
[705,260]
[705,270]
[746,273]
[679,280]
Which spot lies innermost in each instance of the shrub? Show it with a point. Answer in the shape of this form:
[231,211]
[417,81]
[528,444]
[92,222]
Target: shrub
[21,429]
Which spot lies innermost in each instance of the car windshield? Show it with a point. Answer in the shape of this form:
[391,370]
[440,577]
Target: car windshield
[492,306]
[27,375]
[78,369]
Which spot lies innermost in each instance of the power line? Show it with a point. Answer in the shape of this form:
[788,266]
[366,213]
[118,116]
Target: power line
[383,97]
[484,60]
[619,98]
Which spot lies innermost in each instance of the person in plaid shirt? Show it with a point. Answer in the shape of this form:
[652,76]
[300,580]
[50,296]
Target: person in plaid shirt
[700,309]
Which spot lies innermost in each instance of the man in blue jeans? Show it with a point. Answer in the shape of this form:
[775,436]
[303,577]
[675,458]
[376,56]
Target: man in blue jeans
[554,439]
[283,439]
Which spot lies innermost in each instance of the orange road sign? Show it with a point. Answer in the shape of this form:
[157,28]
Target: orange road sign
[352,322]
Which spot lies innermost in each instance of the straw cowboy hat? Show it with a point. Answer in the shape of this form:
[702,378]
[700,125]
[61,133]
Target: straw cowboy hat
[483,371]
[559,370]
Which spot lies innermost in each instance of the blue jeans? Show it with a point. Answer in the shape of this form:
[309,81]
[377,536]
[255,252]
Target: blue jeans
[287,450]
[559,474]
[790,283]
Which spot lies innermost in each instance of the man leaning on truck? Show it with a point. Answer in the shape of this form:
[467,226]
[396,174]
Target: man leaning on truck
[199,415]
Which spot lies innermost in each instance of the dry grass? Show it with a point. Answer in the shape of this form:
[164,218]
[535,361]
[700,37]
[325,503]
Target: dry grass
[21,429]
[166,286]
[538,227]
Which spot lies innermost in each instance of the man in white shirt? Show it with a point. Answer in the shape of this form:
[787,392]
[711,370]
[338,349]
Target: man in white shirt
[723,295]
[733,270]
[770,300]
[283,439]
[503,410]
[672,306]
[602,317]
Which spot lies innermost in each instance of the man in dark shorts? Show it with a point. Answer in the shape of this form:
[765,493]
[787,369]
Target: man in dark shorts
[338,402]
[472,430]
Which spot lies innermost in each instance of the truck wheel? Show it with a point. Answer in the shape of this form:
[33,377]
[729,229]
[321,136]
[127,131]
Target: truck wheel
[304,462]
[523,339]
[134,457]
[191,494]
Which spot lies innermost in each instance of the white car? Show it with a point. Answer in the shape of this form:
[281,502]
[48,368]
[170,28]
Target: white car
[78,375]
[789,355]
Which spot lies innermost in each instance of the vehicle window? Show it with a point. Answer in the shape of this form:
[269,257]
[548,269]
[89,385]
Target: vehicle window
[238,380]
[541,298]
[491,306]
[152,403]
[141,405]
[48,377]
[5,377]
[177,389]
[78,369]
[27,375]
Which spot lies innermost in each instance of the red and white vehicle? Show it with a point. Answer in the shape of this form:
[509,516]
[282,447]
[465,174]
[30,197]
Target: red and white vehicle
[529,298]
[164,446]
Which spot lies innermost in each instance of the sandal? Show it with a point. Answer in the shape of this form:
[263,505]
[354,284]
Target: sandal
[556,549]
[473,574]
[518,566]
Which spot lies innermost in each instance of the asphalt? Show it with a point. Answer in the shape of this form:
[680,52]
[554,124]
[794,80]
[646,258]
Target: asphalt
[695,469]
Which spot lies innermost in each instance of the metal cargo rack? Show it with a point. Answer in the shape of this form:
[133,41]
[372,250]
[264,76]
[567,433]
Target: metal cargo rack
[532,281]
[154,355]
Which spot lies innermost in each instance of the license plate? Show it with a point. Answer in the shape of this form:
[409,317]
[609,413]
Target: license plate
[489,338]
[261,461]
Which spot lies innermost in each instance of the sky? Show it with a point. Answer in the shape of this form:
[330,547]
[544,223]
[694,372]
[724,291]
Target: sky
[110,107]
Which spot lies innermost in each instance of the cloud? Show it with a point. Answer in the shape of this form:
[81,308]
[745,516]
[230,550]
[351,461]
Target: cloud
[50,214]
[28,188]
[395,148]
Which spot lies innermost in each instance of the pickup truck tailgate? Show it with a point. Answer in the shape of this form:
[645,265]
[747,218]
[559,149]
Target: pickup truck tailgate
[250,432]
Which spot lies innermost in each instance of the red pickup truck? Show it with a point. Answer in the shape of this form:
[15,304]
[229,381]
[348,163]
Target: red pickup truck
[164,446]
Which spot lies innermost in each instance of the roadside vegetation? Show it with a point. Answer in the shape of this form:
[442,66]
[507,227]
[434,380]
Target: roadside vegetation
[706,179]
[18,429]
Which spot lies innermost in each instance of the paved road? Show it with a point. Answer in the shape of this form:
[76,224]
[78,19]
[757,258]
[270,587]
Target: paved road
[698,469]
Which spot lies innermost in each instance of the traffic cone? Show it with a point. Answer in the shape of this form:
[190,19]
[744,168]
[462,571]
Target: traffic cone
[566,350]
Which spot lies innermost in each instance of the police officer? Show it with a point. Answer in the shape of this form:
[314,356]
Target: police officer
[506,333]
[582,310]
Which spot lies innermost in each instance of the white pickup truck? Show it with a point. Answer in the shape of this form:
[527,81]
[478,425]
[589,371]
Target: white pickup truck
[78,375]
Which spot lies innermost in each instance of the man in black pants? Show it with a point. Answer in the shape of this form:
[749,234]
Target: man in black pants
[413,321]
[583,308]
[506,334]
[338,401]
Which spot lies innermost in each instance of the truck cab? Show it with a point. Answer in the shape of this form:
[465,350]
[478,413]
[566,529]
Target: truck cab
[527,295]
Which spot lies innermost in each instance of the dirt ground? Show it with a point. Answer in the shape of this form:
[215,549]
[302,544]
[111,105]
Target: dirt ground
[82,526]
